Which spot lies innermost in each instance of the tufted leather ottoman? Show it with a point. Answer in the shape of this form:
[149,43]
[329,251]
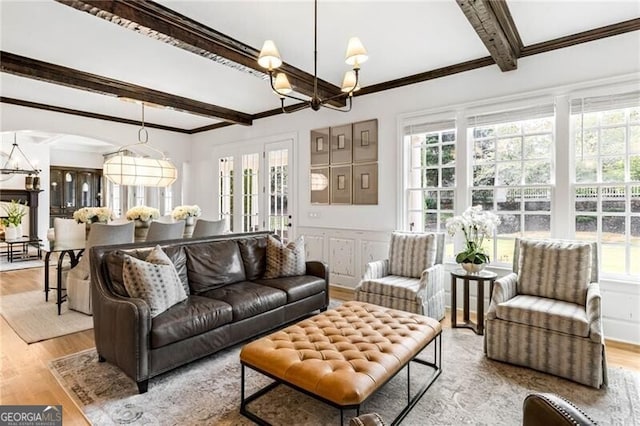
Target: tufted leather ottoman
[342,356]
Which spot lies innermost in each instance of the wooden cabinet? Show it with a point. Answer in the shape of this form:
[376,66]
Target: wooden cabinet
[73,188]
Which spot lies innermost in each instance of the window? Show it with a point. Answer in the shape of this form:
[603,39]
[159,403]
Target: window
[225,190]
[431,178]
[606,138]
[250,192]
[512,173]
[167,197]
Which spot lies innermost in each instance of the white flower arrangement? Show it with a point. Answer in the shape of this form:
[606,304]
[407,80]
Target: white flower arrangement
[142,213]
[475,224]
[183,212]
[93,214]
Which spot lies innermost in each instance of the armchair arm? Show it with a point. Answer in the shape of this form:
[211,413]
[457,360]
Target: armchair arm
[504,289]
[320,270]
[594,312]
[377,269]
[431,281]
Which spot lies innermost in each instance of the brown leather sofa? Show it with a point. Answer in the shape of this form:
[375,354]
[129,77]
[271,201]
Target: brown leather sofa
[228,302]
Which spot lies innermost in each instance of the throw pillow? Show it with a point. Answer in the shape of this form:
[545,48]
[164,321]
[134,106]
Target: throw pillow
[154,280]
[285,260]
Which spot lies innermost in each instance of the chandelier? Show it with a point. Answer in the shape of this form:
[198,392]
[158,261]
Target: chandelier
[270,60]
[126,169]
[12,164]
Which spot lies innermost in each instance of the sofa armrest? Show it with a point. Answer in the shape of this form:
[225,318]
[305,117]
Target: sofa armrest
[122,326]
[431,281]
[377,269]
[594,312]
[320,270]
[504,289]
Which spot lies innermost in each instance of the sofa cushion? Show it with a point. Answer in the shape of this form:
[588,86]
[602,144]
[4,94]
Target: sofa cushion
[550,314]
[254,256]
[410,254]
[555,269]
[285,260]
[213,264]
[155,280]
[297,288]
[248,299]
[115,259]
[195,315]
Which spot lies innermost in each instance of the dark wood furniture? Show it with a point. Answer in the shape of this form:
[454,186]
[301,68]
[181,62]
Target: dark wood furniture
[479,278]
[71,189]
[18,249]
[62,251]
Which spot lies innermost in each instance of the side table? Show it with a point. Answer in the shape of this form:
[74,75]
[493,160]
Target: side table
[479,278]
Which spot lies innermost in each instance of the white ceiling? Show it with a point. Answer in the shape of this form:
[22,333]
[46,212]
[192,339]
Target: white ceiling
[403,38]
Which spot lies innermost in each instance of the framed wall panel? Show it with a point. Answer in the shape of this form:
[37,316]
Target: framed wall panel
[365,183]
[319,185]
[320,146]
[340,191]
[341,144]
[365,141]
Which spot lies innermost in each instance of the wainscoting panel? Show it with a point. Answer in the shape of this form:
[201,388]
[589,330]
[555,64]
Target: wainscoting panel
[347,251]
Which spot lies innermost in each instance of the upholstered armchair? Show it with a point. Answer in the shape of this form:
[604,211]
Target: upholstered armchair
[411,279]
[546,314]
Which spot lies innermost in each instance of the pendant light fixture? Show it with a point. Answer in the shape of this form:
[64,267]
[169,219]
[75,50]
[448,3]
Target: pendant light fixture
[270,60]
[126,169]
[13,164]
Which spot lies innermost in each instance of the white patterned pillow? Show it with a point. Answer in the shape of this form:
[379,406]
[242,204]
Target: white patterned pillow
[555,269]
[285,260]
[410,254]
[155,280]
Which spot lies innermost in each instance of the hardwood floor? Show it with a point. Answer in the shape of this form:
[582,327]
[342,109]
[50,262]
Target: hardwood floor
[25,378]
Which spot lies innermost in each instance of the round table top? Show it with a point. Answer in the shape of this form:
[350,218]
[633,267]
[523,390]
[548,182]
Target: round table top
[483,275]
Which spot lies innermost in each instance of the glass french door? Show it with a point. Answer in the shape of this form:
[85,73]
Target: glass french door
[254,188]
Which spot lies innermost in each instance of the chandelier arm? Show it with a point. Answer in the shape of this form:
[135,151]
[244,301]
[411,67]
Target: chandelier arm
[340,109]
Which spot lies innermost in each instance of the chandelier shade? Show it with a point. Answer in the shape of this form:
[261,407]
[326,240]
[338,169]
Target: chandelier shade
[269,56]
[126,169]
[356,53]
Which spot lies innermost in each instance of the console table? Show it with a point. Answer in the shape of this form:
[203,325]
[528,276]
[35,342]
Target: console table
[479,278]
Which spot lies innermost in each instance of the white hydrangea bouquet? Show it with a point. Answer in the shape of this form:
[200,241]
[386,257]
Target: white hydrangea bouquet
[143,213]
[476,225]
[93,214]
[183,212]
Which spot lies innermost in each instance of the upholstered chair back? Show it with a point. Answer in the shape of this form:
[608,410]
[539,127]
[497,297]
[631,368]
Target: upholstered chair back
[412,253]
[208,228]
[159,231]
[556,269]
[68,232]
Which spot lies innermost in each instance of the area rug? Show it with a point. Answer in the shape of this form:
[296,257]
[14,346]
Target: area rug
[471,390]
[23,264]
[35,320]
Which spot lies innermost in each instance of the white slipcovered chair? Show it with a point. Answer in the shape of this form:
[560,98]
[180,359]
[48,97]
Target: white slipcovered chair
[412,279]
[68,232]
[208,228]
[546,314]
[78,282]
[159,231]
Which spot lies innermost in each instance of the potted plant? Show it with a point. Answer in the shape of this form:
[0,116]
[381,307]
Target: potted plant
[89,215]
[475,225]
[13,222]
[142,216]
[188,214]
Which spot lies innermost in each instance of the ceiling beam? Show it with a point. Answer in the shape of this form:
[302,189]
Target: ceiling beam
[163,24]
[56,74]
[53,108]
[583,37]
[487,22]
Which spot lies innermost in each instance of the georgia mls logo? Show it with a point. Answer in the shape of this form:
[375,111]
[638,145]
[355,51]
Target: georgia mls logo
[30,415]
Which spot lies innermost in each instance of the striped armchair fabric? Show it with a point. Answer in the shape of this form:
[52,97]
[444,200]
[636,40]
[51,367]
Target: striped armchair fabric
[546,315]
[412,279]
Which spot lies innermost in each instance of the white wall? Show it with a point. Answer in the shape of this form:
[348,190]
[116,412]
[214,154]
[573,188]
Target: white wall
[351,228]
[16,118]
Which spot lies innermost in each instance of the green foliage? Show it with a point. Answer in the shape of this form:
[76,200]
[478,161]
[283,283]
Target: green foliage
[472,254]
[15,212]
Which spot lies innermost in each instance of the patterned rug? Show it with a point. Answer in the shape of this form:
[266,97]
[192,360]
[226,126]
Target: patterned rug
[471,390]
